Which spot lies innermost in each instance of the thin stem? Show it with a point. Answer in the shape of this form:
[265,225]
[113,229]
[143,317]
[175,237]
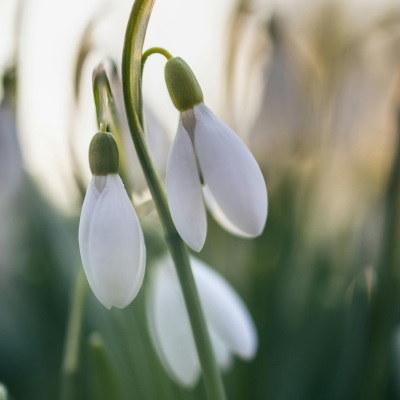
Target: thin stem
[108,117]
[211,374]
[102,127]
[178,250]
[132,55]
[131,81]
[103,97]
[71,352]
[155,50]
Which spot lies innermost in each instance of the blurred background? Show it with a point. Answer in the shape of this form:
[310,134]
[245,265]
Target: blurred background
[313,89]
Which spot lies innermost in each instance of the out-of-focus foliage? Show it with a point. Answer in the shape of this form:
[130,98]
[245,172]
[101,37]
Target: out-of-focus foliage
[326,135]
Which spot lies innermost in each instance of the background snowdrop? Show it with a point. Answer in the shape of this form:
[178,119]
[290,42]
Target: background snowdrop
[230,325]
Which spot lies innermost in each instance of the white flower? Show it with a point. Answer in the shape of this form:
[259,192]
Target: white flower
[111,242]
[229,323]
[234,187]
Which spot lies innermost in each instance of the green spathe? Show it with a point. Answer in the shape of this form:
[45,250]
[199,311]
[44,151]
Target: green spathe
[103,154]
[183,86]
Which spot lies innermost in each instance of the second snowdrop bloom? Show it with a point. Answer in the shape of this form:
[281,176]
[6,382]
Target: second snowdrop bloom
[110,237]
[208,159]
[230,325]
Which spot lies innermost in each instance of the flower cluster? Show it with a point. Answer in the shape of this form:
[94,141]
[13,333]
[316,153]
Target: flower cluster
[208,163]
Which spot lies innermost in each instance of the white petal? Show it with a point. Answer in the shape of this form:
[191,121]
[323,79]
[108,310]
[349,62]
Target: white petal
[111,242]
[231,174]
[225,311]
[88,207]
[189,122]
[170,328]
[221,350]
[184,192]
[157,141]
[219,215]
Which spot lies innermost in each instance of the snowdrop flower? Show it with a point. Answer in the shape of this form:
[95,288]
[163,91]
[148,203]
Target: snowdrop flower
[231,328]
[207,153]
[110,237]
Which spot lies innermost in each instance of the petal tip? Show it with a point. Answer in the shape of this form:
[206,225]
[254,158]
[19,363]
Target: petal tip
[106,305]
[195,245]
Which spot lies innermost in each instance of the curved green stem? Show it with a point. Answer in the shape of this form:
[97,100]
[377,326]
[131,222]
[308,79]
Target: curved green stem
[131,80]
[155,50]
[132,55]
[107,116]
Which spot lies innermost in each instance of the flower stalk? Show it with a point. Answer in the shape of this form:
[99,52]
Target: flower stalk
[155,50]
[132,88]
[106,112]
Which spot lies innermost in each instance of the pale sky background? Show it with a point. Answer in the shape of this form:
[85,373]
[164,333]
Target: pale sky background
[51,29]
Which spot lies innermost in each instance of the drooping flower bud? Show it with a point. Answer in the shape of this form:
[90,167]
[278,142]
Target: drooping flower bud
[103,154]
[182,85]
